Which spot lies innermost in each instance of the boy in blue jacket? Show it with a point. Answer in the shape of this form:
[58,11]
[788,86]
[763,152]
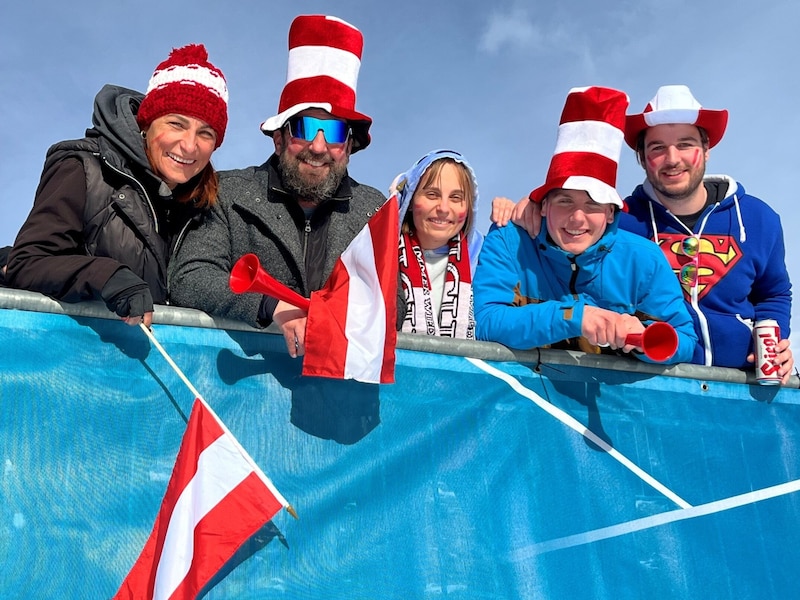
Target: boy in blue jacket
[581,280]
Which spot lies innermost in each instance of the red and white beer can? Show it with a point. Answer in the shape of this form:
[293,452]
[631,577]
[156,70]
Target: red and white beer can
[766,335]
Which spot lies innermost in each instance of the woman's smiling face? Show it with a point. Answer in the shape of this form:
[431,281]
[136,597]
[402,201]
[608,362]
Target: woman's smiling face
[179,147]
[440,207]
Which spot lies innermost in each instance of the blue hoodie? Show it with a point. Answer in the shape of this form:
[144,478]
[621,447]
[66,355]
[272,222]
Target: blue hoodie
[529,292]
[743,276]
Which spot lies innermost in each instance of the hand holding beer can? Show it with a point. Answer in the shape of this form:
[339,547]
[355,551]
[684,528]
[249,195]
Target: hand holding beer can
[766,335]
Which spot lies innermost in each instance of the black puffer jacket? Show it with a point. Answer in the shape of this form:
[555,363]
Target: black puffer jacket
[98,207]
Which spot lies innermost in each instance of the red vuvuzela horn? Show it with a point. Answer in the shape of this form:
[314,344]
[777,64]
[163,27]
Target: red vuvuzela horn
[248,276]
[659,341]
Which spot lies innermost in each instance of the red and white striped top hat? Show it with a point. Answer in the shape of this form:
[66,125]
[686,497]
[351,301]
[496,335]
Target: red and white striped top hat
[588,145]
[675,104]
[324,60]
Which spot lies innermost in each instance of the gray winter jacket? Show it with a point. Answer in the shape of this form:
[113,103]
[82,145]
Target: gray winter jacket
[256,215]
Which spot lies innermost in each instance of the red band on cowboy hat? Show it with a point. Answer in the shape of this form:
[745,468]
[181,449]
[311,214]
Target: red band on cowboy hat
[675,105]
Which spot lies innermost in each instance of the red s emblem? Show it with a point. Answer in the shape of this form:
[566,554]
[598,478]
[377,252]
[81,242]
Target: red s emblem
[715,257]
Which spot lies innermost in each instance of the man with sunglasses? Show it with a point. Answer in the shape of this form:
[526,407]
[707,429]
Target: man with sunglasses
[298,211]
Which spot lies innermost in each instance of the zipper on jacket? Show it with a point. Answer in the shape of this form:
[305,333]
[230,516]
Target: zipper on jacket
[574,277]
[181,235]
[306,231]
[141,187]
[163,265]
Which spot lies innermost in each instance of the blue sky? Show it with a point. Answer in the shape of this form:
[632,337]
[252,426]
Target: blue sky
[485,78]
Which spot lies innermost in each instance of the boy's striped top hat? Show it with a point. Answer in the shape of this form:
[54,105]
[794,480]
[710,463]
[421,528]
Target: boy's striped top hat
[675,105]
[324,61]
[588,146]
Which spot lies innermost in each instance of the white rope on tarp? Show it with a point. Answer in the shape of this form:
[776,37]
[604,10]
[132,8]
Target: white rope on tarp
[576,425]
[664,518]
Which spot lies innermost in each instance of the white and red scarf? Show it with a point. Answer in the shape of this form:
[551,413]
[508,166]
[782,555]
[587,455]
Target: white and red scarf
[455,318]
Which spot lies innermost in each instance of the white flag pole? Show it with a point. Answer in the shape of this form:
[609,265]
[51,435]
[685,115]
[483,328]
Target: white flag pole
[197,395]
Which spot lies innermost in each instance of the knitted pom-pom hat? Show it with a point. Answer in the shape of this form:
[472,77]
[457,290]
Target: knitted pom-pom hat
[187,84]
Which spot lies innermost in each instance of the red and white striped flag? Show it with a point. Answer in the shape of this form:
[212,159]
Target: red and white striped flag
[351,329]
[216,499]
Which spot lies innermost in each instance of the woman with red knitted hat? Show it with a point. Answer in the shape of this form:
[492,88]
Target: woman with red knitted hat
[111,207]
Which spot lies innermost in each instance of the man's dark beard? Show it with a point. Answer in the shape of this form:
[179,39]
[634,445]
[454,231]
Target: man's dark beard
[695,182]
[315,192]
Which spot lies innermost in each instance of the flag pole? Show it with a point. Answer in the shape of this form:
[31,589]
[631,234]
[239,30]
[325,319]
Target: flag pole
[256,469]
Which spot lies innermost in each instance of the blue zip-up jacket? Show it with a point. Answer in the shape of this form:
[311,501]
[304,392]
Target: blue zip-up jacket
[529,292]
[742,267]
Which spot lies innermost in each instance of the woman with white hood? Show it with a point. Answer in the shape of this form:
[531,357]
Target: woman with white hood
[439,245]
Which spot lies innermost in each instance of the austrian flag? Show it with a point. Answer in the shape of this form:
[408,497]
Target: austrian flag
[216,499]
[351,329]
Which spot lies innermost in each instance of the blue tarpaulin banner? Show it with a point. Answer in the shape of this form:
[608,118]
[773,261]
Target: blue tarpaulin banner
[466,478]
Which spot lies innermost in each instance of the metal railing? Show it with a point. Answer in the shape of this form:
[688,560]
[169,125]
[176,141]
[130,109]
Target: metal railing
[11,299]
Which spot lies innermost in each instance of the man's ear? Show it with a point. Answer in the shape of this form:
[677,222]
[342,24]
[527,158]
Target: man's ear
[277,139]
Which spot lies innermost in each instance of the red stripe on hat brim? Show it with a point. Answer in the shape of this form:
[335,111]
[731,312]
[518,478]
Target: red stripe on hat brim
[570,164]
[327,90]
[317,30]
[714,122]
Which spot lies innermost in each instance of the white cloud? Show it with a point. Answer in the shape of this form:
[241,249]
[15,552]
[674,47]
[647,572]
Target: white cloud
[513,29]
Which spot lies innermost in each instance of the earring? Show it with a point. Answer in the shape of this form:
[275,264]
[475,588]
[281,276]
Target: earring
[143,134]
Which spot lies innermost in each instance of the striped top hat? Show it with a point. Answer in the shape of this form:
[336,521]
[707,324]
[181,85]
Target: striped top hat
[675,104]
[324,60]
[588,145]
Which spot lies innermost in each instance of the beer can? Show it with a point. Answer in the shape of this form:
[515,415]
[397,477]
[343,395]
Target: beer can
[766,335]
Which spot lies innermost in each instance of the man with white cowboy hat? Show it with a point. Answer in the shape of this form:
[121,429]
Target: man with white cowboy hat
[299,210]
[580,279]
[725,246]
